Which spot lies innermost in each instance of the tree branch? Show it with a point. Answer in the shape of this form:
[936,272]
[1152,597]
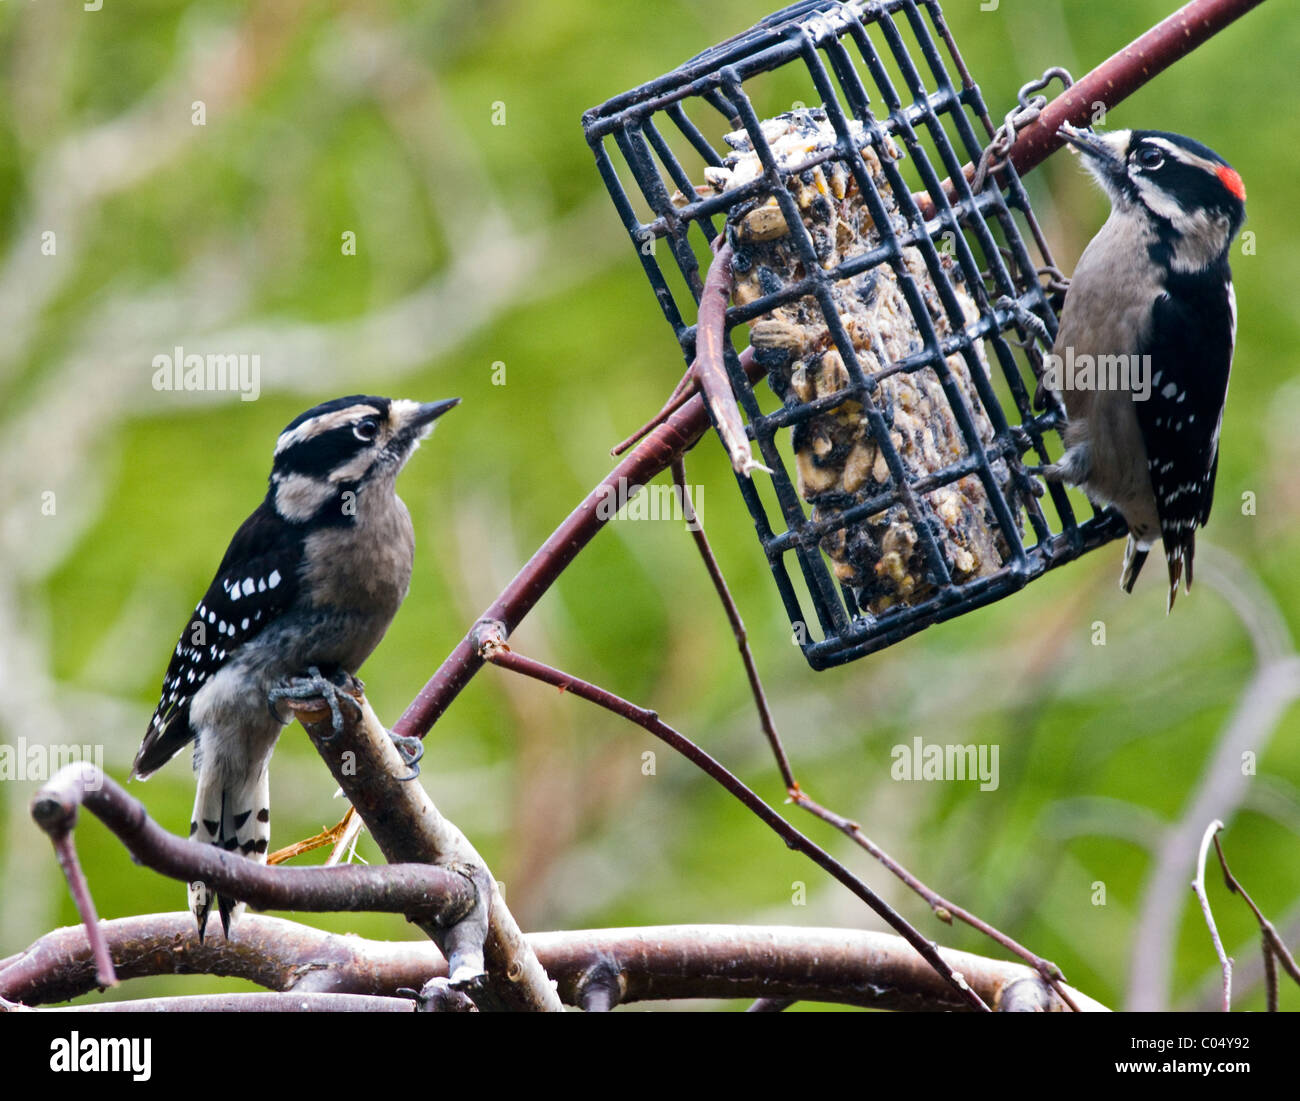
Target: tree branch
[438,897]
[1275,948]
[1198,886]
[844,966]
[1110,83]
[408,827]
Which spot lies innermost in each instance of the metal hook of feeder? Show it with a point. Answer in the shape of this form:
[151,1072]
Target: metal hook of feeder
[1028,108]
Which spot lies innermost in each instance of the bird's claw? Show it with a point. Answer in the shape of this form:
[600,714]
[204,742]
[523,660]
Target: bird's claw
[315,685]
[411,749]
[1032,483]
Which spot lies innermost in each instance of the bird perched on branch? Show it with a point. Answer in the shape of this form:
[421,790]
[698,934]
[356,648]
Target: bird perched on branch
[1152,301]
[308,585]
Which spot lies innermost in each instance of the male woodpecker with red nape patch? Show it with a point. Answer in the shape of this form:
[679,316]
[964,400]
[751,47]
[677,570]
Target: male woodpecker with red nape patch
[1154,282]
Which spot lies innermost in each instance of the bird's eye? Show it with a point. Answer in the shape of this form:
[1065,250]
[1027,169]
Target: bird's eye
[365,430]
[1150,158]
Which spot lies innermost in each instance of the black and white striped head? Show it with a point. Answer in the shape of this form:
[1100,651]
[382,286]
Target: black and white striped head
[1190,196]
[342,446]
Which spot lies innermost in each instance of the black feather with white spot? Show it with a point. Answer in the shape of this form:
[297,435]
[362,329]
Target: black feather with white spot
[256,581]
[1191,346]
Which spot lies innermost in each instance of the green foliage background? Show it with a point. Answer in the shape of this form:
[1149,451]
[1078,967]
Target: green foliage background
[377,118]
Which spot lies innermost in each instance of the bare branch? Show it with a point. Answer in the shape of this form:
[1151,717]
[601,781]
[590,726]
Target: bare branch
[845,966]
[429,895]
[1198,885]
[408,827]
[710,369]
[1275,948]
[765,719]
[685,389]
[252,1003]
[1050,973]
[1111,82]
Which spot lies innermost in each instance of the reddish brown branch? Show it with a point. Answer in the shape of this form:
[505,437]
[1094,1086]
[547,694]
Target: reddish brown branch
[1051,974]
[430,894]
[1122,74]
[682,393]
[655,454]
[1111,82]
[66,852]
[710,367]
[707,373]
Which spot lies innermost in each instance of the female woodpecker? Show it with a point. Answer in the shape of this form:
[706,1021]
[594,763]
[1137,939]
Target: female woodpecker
[310,583]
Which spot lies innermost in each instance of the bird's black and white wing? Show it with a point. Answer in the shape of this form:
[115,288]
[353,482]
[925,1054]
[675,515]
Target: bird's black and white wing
[256,581]
[1191,346]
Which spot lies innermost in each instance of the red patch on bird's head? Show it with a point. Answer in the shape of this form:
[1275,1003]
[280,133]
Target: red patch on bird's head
[1230,179]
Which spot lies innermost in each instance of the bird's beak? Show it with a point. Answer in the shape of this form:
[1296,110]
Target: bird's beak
[1104,151]
[431,411]
[414,421]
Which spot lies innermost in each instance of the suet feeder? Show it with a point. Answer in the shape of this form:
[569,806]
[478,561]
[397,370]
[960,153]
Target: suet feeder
[893,308]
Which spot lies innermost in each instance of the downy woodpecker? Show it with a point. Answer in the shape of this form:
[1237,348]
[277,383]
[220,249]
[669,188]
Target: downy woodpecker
[1153,283]
[310,583]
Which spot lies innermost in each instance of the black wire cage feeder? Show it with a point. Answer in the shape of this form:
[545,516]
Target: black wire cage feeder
[878,286]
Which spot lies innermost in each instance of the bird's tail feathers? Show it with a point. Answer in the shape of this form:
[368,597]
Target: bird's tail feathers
[1134,556]
[1179,552]
[235,817]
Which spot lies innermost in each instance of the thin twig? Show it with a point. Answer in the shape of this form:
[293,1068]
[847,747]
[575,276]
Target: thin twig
[944,910]
[345,847]
[682,393]
[331,836]
[685,389]
[1275,948]
[1198,885]
[1270,974]
[495,651]
[67,856]
[765,719]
